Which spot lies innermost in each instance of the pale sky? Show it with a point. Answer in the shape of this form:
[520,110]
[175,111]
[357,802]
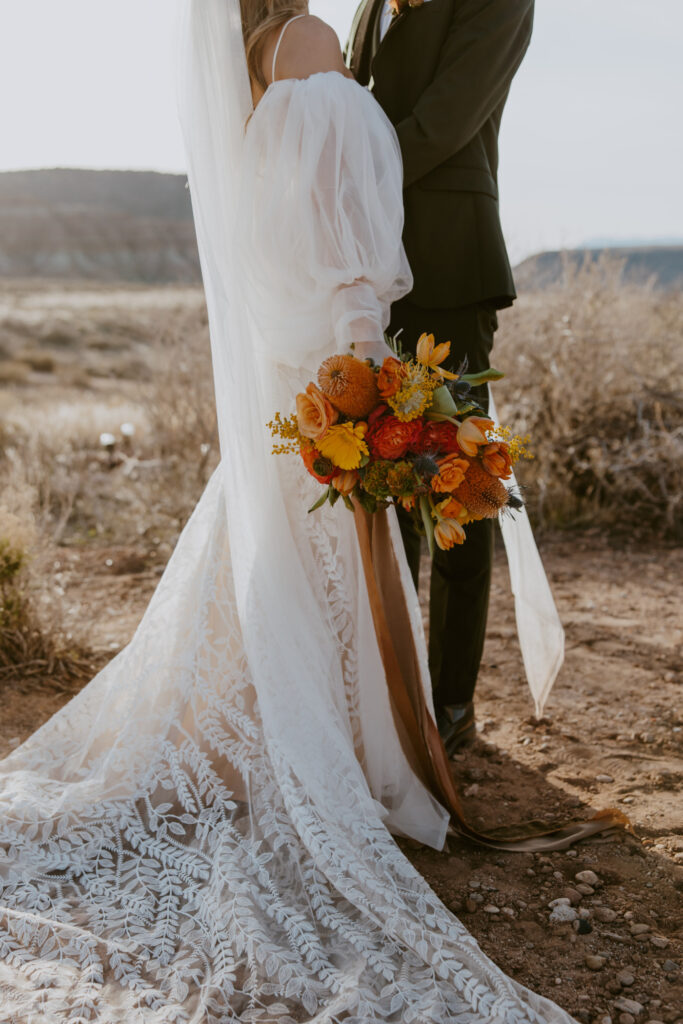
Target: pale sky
[591,143]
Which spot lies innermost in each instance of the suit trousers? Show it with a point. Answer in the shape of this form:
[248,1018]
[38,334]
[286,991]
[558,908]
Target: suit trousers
[460,578]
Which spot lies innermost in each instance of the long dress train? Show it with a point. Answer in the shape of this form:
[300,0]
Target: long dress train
[204,833]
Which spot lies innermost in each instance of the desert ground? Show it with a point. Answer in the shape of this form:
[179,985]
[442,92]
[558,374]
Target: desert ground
[593,377]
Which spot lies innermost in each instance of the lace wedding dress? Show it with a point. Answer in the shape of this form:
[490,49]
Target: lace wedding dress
[204,833]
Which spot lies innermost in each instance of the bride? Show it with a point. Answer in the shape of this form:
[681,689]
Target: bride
[204,834]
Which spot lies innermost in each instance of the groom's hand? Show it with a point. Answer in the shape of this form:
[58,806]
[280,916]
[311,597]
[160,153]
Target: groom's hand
[376,350]
[484,48]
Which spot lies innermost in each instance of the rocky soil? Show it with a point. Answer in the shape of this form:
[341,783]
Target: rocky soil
[599,928]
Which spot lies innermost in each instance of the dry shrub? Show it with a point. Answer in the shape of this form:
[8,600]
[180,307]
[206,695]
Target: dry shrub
[31,644]
[594,374]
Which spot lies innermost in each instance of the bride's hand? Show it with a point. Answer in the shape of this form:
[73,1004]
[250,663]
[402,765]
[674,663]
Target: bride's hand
[377,350]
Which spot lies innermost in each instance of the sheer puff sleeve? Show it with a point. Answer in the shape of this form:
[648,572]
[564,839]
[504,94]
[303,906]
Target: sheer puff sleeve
[321,218]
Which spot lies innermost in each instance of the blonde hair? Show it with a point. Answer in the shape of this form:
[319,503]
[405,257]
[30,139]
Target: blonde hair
[259,18]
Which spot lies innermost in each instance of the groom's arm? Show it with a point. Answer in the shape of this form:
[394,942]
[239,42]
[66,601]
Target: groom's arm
[484,48]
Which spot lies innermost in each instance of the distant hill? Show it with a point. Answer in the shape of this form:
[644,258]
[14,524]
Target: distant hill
[99,225]
[137,226]
[663,265]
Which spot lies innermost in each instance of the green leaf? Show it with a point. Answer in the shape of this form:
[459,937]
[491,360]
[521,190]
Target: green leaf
[334,496]
[485,377]
[364,459]
[368,501]
[348,502]
[321,500]
[442,402]
[427,522]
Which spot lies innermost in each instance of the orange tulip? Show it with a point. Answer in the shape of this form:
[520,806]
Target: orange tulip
[447,533]
[345,481]
[432,355]
[472,434]
[451,473]
[497,460]
[314,413]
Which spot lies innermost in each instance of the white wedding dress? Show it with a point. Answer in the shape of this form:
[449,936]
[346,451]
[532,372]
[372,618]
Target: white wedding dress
[204,833]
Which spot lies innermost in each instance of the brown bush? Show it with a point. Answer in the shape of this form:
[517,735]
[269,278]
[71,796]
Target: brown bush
[594,374]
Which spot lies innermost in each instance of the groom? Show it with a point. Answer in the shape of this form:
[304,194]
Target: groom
[442,69]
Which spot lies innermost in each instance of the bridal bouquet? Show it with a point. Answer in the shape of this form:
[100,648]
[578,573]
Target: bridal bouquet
[408,432]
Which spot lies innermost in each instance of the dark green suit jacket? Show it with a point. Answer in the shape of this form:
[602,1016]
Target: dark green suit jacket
[442,73]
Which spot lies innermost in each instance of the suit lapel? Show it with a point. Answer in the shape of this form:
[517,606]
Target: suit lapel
[386,47]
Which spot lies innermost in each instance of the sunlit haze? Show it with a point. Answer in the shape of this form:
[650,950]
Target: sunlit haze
[590,147]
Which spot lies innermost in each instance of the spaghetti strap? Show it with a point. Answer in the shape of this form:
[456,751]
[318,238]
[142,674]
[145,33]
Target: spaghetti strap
[282,32]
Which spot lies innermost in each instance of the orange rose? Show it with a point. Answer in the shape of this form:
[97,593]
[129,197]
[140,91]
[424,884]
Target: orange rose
[389,438]
[451,473]
[390,377]
[497,460]
[345,481]
[472,434]
[451,508]
[314,413]
[447,533]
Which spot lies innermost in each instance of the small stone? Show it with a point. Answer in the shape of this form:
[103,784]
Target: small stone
[628,1006]
[595,963]
[563,914]
[625,979]
[561,901]
[584,913]
[639,929]
[589,877]
[573,895]
[582,926]
[659,941]
[652,1021]
[605,1019]
[490,909]
[628,916]
[509,912]
[471,790]
[605,914]
[585,889]
[626,1018]
[473,884]
[670,966]
[477,897]
[626,800]
[604,778]
[470,906]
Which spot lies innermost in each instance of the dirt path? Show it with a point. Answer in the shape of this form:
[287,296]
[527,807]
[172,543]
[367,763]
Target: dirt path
[613,736]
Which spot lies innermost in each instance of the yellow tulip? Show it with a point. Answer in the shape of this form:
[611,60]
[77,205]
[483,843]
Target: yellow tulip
[472,434]
[345,481]
[447,533]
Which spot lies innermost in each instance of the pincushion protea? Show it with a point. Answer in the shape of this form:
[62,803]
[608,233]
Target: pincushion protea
[350,385]
[482,495]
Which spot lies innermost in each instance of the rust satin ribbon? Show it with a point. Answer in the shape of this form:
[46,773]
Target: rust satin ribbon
[416,727]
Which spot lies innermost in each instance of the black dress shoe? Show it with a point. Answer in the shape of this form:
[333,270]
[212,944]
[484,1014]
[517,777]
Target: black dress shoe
[456,725]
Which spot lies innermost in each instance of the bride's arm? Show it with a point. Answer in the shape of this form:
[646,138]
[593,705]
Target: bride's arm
[309,46]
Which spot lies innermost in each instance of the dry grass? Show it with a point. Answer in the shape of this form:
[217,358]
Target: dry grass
[595,375]
[33,641]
